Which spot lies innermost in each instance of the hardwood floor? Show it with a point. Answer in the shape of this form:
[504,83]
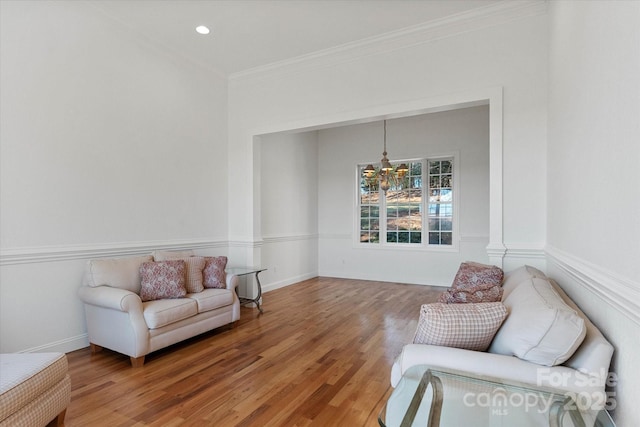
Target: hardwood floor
[320,355]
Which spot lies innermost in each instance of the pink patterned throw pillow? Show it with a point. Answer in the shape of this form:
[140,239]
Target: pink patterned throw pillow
[213,273]
[163,279]
[473,276]
[475,283]
[492,294]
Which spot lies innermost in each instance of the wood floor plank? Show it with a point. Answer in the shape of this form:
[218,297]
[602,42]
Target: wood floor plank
[320,355]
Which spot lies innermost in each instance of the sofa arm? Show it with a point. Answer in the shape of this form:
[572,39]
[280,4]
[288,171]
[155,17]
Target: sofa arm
[232,281]
[113,298]
[507,368]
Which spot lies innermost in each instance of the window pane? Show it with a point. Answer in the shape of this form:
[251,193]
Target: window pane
[445,195]
[434,238]
[446,209]
[364,211]
[375,224]
[392,237]
[434,196]
[375,237]
[446,224]
[416,237]
[446,181]
[434,182]
[445,166]
[392,224]
[364,236]
[434,224]
[434,167]
[364,223]
[415,169]
[445,238]
[403,237]
[375,211]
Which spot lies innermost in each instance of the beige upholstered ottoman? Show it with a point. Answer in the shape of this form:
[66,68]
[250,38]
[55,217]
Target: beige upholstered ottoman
[35,389]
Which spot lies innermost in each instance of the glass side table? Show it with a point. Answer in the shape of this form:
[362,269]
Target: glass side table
[433,398]
[246,271]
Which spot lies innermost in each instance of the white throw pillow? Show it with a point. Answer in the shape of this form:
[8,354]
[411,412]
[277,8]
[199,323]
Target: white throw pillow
[541,328]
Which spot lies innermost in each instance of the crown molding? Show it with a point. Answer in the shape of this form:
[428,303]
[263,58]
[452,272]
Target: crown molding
[75,252]
[465,22]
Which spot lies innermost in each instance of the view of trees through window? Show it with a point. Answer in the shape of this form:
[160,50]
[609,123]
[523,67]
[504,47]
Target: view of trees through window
[398,217]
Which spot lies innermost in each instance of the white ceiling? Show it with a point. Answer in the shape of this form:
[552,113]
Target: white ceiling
[248,34]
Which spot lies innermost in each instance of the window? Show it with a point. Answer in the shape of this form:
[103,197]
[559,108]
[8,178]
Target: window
[440,204]
[410,213]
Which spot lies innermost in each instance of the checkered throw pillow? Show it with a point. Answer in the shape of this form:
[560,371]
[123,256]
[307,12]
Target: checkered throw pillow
[467,326]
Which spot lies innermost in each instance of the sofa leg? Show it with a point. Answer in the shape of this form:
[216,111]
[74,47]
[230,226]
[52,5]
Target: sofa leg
[95,348]
[137,362]
[59,420]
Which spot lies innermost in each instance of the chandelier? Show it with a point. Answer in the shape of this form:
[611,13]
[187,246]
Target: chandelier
[386,175]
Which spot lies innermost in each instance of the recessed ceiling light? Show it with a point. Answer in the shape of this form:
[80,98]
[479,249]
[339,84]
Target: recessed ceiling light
[202,29]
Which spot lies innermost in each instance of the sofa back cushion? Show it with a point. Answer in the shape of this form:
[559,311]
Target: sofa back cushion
[593,357]
[541,328]
[171,255]
[519,275]
[123,273]
[467,326]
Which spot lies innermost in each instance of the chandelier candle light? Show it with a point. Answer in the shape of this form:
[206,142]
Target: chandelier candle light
[386,174]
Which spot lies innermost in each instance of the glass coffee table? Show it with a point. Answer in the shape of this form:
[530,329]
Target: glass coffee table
[432,398]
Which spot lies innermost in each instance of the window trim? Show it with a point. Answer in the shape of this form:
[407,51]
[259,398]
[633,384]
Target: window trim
[424,245]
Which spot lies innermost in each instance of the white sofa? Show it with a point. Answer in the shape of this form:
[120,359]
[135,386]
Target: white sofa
[119,320]
[586,371]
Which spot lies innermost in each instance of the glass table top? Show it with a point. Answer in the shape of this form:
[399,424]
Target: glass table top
[241,271]
[429,397]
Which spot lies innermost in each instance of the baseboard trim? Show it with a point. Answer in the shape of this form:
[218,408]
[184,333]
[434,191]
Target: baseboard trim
[63,346]
[74,252]
[289,281]
[621,293]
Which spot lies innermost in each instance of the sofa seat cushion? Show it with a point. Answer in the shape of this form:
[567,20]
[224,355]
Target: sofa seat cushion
[25,377]
[541,328]
[163,312]
[212,298]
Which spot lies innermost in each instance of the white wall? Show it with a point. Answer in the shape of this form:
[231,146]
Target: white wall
[593,160]
[376,80]
[289,207]
[464,132]
[109,145]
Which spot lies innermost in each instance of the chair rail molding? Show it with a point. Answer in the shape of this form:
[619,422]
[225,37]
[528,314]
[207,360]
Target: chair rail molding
[39,254]
[288,238]
[622,293]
